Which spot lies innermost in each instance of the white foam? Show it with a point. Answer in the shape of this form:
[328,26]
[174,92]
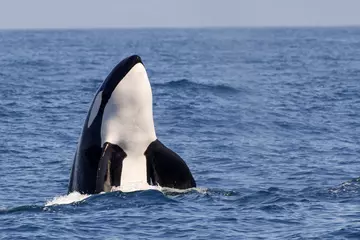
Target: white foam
[77,197]
[143,187]
[132,187]
[67,199]
[175,190]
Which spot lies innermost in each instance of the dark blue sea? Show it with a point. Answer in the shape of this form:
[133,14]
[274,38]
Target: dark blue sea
[268,120]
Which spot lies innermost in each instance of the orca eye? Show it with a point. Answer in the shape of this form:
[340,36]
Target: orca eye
[95,108]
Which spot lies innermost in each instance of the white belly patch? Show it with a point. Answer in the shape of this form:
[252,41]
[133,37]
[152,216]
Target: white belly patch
[133,171]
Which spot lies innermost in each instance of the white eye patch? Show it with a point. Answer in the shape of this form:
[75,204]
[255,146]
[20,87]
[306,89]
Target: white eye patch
[95,108]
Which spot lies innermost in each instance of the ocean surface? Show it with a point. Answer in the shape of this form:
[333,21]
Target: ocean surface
[268,120]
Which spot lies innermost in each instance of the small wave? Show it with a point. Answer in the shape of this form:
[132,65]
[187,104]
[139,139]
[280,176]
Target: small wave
[184,83]
[30,63]
[26,208]
[75,197]
[348,187]
[172,192]
[136,192]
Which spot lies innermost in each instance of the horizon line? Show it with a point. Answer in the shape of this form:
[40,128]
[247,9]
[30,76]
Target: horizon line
[178,27]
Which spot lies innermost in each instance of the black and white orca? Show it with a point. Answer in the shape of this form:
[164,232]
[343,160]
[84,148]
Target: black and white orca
[118,146]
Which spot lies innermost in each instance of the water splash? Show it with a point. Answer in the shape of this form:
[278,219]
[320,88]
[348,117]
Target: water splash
[135,187]
[351,186]
[75,197]
[167,190]
[67,199]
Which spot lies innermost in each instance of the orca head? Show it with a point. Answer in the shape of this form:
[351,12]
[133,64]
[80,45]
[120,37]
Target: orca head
[108,86]
[118,74]
[125,100]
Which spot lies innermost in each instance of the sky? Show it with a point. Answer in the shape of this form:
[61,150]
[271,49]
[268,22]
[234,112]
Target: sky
[24,14]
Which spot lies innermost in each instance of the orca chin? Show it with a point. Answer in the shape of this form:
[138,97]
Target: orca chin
[118,147]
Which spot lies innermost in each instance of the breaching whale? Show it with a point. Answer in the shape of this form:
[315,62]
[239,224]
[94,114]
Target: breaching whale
[118,146]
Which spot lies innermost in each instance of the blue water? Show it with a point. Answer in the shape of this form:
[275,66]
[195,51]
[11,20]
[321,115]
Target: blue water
[266,119]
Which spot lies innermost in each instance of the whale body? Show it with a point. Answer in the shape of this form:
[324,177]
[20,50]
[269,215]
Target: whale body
[118,146]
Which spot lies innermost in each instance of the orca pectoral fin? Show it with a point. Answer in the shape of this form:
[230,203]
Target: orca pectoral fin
[166,168]
[109,168]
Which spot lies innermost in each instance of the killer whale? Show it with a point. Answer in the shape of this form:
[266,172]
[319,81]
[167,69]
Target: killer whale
[118,146]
